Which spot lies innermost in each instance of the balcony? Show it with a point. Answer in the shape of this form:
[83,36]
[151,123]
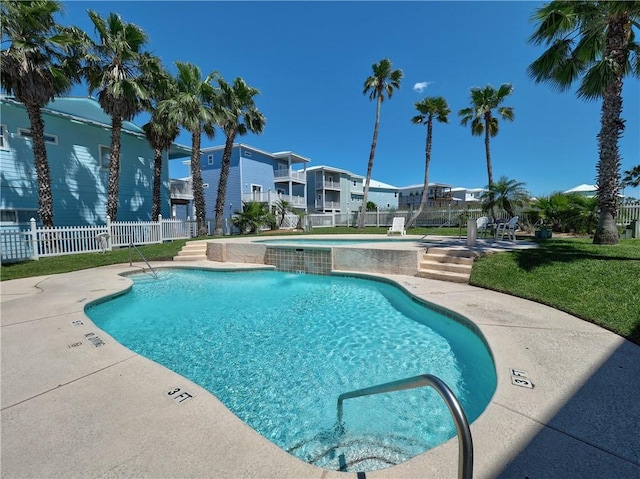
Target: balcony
[181,190]
[328,205]
[271,198]
[328,184]
[286,174]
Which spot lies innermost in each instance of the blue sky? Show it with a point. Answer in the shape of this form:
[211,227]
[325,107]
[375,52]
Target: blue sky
[310,59]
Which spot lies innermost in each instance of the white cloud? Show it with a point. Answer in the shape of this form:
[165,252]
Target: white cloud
[421,86]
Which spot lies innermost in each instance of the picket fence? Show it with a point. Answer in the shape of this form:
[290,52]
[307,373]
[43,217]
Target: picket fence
[35,243]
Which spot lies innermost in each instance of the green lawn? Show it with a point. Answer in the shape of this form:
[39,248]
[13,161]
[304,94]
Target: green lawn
[600,284]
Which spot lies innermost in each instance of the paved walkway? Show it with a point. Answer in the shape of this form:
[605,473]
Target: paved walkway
[73,410]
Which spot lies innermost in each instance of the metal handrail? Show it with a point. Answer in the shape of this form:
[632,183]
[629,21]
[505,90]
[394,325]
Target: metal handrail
[465,443]
[153,271]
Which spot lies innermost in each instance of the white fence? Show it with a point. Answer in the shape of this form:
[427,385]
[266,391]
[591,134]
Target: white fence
[35,242]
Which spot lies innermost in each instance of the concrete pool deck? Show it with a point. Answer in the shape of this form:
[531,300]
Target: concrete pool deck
[73,407]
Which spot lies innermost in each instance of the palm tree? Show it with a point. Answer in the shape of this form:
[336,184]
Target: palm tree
[116,69]
[383,82]
[283,207]
[41,62]
[429,108]
[480,114]
[631,177]
[192,108]
[505,194]
[161,131]
[236,114]
[592,43]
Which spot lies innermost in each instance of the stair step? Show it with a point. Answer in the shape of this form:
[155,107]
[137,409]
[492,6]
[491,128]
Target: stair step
[438,258]
[441,266]
[192,251]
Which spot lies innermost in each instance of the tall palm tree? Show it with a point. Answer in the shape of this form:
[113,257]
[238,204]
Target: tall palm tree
[383,82]
[115,68]
[480,114]
[592,43]
[429,108]
[161,131]
[41,62]
[192,108]
[505,194]
[236,114]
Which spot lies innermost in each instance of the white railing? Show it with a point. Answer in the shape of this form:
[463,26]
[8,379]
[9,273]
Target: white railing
[627,213]
[286,173]
[328,205]
[35,242]
[270,198]
[328,184]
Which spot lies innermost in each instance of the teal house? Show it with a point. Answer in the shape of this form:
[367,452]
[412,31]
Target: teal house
[78,139]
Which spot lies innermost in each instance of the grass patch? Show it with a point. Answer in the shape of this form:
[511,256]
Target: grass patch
[75,262]
[600,284]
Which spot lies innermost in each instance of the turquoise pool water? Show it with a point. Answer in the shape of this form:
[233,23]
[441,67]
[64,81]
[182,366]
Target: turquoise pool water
[279,348]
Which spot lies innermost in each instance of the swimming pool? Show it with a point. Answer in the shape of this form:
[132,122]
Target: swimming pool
[338,242]
[279,354]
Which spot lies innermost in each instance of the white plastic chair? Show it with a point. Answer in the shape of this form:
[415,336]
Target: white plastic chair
[481,225]
[397,226]
[508,227]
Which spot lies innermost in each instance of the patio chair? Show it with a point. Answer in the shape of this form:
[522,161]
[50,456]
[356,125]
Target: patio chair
[397,226]
[482,224]
[509,227]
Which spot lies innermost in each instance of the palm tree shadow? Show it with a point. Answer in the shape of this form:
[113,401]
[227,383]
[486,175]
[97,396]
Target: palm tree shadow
[561,252]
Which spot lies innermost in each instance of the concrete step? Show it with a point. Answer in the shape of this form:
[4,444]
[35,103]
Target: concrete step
[443,266]
[192,251]
[444,276]
[446,264]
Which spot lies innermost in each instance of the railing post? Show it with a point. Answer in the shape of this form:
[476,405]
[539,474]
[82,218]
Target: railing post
[161,235]
[110,235]
[34,239]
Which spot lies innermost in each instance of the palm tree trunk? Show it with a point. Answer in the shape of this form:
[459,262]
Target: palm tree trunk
[425,191]
[196,179]
[157,183]
[365,198]
[487,149]
[611,129]
[222,184]
[114,168]
[45,195]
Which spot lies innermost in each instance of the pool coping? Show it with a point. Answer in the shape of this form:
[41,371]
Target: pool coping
[73,408]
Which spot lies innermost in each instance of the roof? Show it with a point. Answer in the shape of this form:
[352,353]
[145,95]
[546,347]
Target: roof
[379,184]
[421,185]
[88,110]
[582,189]
[333,168]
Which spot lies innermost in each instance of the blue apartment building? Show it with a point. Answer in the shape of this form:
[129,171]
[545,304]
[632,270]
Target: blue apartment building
[254,175]
[78,139]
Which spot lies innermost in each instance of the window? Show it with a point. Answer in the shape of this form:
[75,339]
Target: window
[4,136]
[25,133]
[105,156]
[210,159]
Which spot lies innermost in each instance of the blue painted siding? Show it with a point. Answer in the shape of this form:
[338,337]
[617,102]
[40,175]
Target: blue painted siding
[79,183]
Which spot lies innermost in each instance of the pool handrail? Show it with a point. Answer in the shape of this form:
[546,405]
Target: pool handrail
[153,271]
[465,442]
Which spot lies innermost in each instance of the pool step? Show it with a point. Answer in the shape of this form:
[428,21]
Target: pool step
[446,264]
[355,453]
[192,251]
